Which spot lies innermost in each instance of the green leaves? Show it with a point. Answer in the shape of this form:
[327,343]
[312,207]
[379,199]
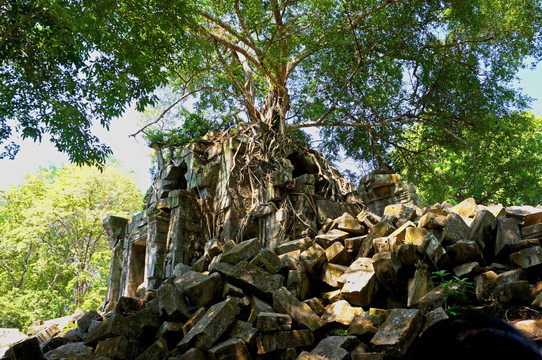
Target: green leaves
[53,249]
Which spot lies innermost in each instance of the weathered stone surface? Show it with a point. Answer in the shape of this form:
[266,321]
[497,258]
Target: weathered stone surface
[332,236]
[192,354]
[466,208]
[407,254]
[246,250]
[383,228]
[171,301]
[340,312]
[256,307]
[84,322]
[337,254]
[385,244]
[117,347]
[232,290]
[364,324]
[400,233]
[313,258]
[532,231]
[527,215]
[171,332]
[294,245]
[359,282]
[463,251]
[114,326]
[26,349]
[432,220]
[243,330]
[212,247]
[336,347]
[433,317]
[253,279]
[527,258]
[267,260]
[332,273]
[70,351]
[415,235]
[367,356]
[398,331]
[268,321]
[51,344]
[507,235]
[352,245]
[285,302]
[200,289]
[283,340]
[455,230]
[193,320]
[316,305]
[483,228]
[433,299]
[434,250]
[514,292]
[484,285]
[418,286]
[531,328]
[231,349]
[350,224]
[469,269]
[387,268]
[210,327]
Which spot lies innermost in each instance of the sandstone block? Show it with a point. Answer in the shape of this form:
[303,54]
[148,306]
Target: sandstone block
[352,245]
[171,332]
[316,305]
[200,289]
[382,229]
[527,258]
[332,236]
[469,269]
[294,245]
[231,349]
[71,351]
[359,282]
[171,301]
[267,260]
[364,324]
[433,317]
[256,307]
[313,258]
[400,233]
[455,230]
[398,331]
[532,231]
[212,247]
[158,350]
[340,312]
[432,220]
[331,273]
[337,254]
[254,279]
[210,327]
[117,347]
[407,254]
[434,250]
[387,268]
[515,292]
[526,215]
[466,208]
[283,340]
[268,321]
[246,250]
[463,251]
[415,235]
[285,302]
[507,235]
[193,320]
[483,228]
[114,326]
[243,330]
[336,347]
[26,349]
[84,322]
[350,224]
[484,285]
[418,286]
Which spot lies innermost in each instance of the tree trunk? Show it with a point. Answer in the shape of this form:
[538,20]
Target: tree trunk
[274,109]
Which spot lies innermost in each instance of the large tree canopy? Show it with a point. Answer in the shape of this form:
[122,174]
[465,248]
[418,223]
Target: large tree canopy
[365,72]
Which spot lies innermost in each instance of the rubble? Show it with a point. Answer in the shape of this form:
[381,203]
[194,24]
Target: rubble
[302,266]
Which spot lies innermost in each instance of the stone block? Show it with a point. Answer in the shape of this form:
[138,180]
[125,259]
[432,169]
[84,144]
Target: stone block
[469,269]
[243,330]
[359,282]
[26,349]
[84,322]
[246,250]
[350,224]
[384,244]
[316,305]
[193,320]
[212,247]
[231,349]
[210,327]
[332,296]
[294,245]
[256,307]
[202,264]
[200,289]
[171,332]
[70,351]
[463,251]
[387,269]
[254,279]
[332,236]
[415,235]
[514,292]
[483,228]
[50,344]
[231,290]
[398,332]
[455,230]
[418,286]
[114,326]
[117,347]
[484,285]
[269,321]
[340,312]
[526,215]
[507,235]
[268,260]
[509,276]
[283,340]
[364,324]
[337,254]
[331,273]
[433,249]
[467,208]
[367,356]
[432,220]
[313,258]
[336,347]
[532,231]
[400,233]
[407,254]
[352,245]
[383,228]
[285,302]
[192,354]
[171,301]
[433,317]
[158,350]
[527,258]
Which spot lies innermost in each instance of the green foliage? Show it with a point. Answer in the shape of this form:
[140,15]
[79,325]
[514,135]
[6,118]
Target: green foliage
[508,153]
[457,291]
[54,255]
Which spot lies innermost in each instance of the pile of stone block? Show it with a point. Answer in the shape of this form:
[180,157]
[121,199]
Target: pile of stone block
[360,289]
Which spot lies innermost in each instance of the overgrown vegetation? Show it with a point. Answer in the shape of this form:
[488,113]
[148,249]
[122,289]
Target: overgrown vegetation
[54,255]
[458,291]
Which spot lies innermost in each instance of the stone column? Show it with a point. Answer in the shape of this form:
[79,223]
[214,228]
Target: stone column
[157,231]
[115,228]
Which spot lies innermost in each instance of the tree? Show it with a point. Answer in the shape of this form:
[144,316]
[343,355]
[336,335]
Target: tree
[65,65]
[54,255]
[508,153]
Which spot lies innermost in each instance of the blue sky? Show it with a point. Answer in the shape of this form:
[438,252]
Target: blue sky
[136,156]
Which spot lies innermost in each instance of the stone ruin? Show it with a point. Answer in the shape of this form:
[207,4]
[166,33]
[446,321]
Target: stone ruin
[229,261]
